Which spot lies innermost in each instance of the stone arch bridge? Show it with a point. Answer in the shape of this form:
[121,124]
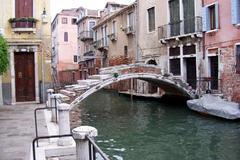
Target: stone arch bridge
[149,73]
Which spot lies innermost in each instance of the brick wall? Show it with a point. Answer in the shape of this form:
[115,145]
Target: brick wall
[230,80]
[68,77]
[113,61]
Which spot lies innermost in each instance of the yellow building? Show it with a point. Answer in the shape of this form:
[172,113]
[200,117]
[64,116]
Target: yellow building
[26,25]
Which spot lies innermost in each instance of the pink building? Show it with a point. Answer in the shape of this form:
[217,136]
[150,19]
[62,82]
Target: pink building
[65,46]
[221,25]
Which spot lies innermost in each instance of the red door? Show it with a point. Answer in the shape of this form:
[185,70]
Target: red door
[24,76]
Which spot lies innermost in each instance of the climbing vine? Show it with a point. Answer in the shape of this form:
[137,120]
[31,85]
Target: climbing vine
[4,56]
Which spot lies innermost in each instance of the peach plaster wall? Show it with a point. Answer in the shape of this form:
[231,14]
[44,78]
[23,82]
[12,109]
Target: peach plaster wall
[224,40]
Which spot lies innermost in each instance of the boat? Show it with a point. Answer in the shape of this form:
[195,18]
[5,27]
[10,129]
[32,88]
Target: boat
[214,105]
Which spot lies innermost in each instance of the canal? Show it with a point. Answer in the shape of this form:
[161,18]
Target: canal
[154,130]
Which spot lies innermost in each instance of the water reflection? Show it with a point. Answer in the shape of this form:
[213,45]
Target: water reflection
[151,130]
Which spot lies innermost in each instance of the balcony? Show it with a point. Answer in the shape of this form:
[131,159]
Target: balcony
[129,30]
[101,44]
[112,37]
[89,55]
[86,35]
[184,28]
[25,24]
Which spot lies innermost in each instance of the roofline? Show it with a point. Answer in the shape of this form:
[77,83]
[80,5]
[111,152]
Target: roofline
[115,14]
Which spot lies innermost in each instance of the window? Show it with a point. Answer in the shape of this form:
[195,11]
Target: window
[91,25]
[114,27]
[189,50]
[175,67]
[151,19]
[64,20]
[238,59]
[105,36]
[210,17]
[235,11]
[125,51]
[130,20]
[75,58]
[95,36]
[74,21]
[65,36]
[174,51]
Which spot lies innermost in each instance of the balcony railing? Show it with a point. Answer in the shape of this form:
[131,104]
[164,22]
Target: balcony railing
[112,36]
[129,30]
[86,35]
[25,24]
[101,44]
[181,28]
[89,55]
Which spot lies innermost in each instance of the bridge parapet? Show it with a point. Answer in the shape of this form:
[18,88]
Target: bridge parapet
[132,68]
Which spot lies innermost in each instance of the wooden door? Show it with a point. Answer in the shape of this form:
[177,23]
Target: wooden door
[189,16]
[24,76]
[24,8]
[174,17]
[191,72]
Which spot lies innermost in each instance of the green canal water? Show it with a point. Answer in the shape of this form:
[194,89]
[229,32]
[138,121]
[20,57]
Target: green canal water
[154,130]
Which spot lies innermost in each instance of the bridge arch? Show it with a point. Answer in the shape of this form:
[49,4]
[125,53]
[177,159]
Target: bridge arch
[166,82]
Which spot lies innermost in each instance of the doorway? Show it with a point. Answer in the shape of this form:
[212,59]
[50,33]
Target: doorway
[191,72]
[24,76]
[213,64]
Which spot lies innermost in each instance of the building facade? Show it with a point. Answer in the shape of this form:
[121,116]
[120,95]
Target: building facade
[26,26]
[115,39]
[87,19]
[221,26]
[182,35]
[65,47]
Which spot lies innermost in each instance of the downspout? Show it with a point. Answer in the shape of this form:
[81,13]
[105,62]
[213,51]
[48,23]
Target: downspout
[136,5]
[203,40]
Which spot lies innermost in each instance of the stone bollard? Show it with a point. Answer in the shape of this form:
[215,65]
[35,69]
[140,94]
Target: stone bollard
[54,103]
[49,93]
[82,144]
[64,124]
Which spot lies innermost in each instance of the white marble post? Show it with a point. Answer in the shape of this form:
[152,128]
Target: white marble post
[64,124]
[49,93]
[54,103]
[82,146]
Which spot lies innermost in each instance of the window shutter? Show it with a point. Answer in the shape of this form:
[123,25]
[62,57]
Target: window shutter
[205,19]
[217,15]
[234,11]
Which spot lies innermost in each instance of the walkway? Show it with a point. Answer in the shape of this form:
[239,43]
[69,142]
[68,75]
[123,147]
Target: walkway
[17,130]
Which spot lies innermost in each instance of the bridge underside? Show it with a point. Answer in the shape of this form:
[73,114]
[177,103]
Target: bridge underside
[170,89]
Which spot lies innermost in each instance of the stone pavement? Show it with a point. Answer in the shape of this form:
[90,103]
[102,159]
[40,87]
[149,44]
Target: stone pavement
[17,130]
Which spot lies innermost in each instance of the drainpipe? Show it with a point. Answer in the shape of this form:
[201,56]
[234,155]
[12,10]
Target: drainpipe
[43,73]
[136,5]
[203,40]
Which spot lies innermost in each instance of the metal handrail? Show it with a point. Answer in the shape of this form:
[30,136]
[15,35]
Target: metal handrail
[45,137]
[182,27]
[93,148]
